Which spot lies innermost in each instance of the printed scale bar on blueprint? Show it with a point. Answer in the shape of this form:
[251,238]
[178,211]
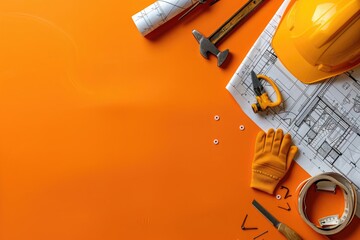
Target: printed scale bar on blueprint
[323,118]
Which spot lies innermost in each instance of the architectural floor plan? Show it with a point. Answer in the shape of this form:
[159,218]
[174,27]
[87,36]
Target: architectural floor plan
[323,118]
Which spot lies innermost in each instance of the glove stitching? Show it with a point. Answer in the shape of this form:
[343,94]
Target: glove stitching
[266,174]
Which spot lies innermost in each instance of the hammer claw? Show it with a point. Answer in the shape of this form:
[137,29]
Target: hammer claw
[198,36]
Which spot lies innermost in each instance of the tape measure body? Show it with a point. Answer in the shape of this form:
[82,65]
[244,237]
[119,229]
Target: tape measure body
[329,225]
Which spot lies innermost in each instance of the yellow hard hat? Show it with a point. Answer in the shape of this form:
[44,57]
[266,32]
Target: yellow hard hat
[318,39]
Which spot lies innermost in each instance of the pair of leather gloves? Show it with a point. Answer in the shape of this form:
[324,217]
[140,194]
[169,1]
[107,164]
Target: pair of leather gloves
[273,157]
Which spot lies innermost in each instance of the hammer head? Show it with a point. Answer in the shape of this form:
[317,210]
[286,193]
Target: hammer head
[207,46]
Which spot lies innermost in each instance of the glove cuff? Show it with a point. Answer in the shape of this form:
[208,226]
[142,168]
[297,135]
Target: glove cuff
[263,181]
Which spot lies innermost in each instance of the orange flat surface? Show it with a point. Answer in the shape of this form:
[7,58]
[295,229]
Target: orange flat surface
[105,134]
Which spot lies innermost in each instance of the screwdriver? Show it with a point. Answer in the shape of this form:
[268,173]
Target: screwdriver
[281,227]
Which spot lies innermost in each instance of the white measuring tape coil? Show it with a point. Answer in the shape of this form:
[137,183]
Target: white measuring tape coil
[350,199]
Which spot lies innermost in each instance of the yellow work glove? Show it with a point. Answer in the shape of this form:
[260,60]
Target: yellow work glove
[273,157]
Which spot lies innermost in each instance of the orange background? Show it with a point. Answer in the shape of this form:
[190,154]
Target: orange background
[105,134]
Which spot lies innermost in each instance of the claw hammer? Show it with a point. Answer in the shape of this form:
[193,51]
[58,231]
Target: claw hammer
[208,44]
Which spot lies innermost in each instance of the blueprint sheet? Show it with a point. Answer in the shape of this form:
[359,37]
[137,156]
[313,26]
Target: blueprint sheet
[323,118]
[159,13]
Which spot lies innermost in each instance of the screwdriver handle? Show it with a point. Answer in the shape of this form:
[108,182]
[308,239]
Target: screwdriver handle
[288,232]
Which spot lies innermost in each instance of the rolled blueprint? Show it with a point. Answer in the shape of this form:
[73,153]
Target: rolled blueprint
[159,13]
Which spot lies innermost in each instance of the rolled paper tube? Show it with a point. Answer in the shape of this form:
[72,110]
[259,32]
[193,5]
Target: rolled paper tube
[159,13]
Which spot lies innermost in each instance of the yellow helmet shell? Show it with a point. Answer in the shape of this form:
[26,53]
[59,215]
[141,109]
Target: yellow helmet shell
[318,39]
